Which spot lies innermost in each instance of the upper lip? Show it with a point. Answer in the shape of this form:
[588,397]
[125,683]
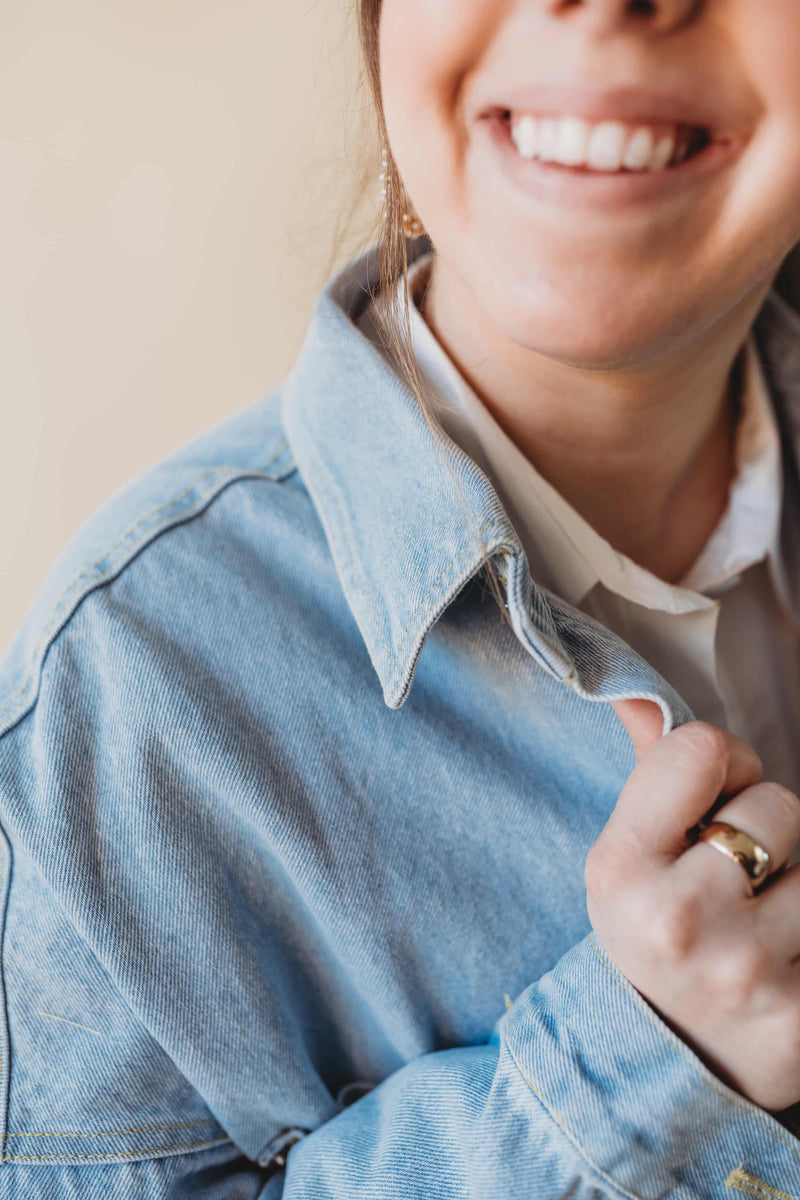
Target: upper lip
[625,103]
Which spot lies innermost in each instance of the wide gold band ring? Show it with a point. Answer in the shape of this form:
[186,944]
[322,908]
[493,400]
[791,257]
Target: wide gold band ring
[738,845]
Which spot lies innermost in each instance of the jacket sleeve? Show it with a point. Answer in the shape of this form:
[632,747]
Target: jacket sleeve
[582,1092]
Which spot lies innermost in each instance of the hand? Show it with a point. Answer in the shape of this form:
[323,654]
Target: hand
[719,964]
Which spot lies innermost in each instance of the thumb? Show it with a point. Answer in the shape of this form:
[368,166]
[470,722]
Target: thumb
[643,720]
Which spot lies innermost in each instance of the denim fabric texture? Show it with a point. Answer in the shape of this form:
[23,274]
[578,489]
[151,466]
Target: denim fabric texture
[294,825]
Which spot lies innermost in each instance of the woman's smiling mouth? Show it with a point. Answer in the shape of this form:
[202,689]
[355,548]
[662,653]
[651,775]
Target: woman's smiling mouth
[610,148]
[608,164]
[604,145]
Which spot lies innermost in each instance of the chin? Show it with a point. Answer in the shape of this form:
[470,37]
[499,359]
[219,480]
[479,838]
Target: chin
[607,329]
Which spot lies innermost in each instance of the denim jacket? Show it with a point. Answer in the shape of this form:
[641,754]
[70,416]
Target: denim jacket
[293,831]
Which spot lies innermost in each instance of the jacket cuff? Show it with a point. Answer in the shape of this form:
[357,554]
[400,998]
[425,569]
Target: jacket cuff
[633,1098]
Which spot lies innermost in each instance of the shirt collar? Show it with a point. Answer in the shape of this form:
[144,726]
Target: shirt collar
[404,538]
[748,530]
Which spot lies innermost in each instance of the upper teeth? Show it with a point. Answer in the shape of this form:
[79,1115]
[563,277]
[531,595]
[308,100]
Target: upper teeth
[605,146]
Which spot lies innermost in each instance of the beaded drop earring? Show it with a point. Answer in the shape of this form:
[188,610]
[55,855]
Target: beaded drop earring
[412,226]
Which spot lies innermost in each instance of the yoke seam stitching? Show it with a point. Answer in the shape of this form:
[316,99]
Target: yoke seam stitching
[49,629]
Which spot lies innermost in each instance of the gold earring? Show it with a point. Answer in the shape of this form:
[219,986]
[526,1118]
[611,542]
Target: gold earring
[412,226]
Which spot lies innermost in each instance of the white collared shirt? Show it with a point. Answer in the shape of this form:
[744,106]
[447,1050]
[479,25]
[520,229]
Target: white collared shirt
[721,636]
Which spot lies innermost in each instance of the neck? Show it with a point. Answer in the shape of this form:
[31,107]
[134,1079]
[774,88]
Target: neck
[645,455]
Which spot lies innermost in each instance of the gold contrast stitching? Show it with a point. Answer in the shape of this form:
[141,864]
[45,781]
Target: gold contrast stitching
[570,1135]
[48,629]
[742,1106]
[122,1154]
[76,1024]
[743,1181]
[116,1132]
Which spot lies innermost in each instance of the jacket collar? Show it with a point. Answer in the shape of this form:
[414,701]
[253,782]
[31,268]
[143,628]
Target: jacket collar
[404,542]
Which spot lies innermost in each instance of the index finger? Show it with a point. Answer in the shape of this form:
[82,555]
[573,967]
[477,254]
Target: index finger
[676,782]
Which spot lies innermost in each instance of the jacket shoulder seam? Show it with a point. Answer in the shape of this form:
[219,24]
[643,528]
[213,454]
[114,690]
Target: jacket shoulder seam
[178,510]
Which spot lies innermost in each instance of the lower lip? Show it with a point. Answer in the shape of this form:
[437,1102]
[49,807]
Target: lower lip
[611,190]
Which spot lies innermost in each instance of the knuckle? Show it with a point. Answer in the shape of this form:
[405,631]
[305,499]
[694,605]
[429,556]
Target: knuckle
[673,929]
[743,971]
[706,741]
[785,802]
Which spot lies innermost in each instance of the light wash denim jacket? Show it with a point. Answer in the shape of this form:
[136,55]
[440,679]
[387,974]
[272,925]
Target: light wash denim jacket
[294,833]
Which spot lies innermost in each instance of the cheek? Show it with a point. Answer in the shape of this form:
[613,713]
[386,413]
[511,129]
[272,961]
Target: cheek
[767,48]
[764,207]
[428,48]
[421,52]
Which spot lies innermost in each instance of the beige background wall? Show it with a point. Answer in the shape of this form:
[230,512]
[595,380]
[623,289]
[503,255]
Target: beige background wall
[171,175]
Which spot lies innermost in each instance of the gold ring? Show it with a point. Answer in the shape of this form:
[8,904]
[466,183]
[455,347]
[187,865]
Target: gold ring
[736,844]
